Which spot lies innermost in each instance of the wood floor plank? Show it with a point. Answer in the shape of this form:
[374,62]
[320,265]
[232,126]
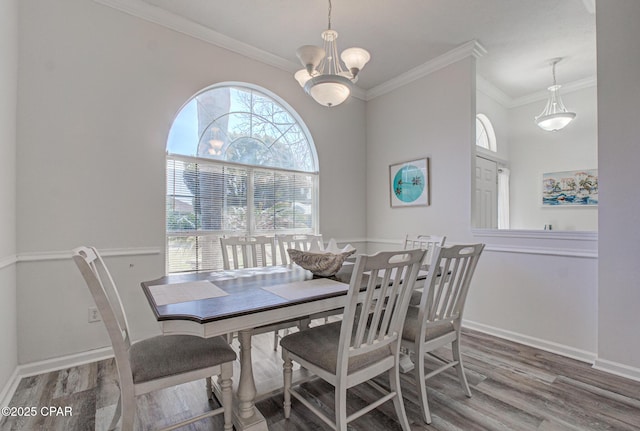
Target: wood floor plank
[514,387]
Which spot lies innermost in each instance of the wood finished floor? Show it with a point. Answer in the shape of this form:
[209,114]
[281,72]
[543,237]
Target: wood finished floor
[515,388]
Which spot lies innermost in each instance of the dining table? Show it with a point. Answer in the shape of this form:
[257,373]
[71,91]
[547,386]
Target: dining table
[218,303]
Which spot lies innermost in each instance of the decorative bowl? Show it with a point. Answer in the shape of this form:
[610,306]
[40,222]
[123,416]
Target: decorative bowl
[322,264]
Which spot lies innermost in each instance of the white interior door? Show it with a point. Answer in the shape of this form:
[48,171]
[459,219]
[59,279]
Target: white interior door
[486,211]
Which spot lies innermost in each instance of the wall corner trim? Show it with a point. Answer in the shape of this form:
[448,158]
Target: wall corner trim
[8,261]
[10,388]
[48,365]
[107,252]
[617,369]
[538,343]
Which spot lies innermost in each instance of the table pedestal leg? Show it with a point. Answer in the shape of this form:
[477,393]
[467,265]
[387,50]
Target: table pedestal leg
[246,415]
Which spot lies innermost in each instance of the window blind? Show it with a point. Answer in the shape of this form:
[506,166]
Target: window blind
[209,199]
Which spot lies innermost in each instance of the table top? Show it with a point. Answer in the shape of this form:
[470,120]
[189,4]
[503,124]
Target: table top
[243,289]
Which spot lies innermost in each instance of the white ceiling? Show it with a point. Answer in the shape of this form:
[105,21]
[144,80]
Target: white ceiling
[520,36]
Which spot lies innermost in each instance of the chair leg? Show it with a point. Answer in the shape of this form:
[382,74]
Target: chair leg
[209,388]
[398,401]
[128,401]
[224,379]
[421,385]
[341,409]
[116,415]
[287,371]
[275,339]
[455,350]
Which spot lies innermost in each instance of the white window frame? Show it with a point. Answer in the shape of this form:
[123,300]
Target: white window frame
[488,133]
[209,238]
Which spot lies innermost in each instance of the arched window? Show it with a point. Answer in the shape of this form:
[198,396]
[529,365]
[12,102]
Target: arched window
[239,162]
[485,135]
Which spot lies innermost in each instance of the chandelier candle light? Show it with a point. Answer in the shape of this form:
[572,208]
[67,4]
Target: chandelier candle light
[323,77]
[555,116]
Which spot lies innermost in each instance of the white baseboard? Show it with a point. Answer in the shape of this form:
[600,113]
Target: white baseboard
[9,389]
[549,346]
[617,369]
[48,365]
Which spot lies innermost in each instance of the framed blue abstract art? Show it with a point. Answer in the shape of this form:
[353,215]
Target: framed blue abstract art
[570,188]
[409,183]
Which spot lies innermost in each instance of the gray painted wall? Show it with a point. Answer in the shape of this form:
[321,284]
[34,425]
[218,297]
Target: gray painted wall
[618,156]
[517,278]
[430,117]
[8,102]
[95,106]
[532,152]
[98,92]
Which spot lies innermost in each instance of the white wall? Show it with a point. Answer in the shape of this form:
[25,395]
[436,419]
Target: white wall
[532,152]
[430,117]
[619,153]
[98,91]
[526,286]
[8,100]
[96,84]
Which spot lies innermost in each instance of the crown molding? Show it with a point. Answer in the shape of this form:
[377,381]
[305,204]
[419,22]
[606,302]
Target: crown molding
[490,90]
[508,102]
[569,87]
[471,48]
[156,15]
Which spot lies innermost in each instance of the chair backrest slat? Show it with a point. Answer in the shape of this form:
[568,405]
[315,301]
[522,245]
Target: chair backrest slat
[298,242]
[425,242]
[248,251]
[375,310]
[446,289]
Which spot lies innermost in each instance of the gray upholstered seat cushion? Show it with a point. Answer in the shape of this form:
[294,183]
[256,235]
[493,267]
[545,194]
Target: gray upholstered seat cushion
[412,326]
[319,345]
[167,355]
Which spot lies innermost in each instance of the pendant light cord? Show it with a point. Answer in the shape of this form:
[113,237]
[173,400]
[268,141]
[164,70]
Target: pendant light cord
[329,26]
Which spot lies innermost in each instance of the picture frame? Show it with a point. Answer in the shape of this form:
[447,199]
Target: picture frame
[409,183]
[570,188]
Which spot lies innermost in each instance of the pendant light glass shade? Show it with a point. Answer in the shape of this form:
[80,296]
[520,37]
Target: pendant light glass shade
[323,77]
[555,115]
[355,59]
[328,90]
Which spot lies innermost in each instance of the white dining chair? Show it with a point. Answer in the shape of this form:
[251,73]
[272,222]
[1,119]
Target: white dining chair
[158,362]
[365,344]
[248,251]
[298,242]
[425,242]
[437,320]
[254,252]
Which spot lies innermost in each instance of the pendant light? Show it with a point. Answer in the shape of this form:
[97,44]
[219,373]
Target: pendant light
[555,116]
[323,77]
